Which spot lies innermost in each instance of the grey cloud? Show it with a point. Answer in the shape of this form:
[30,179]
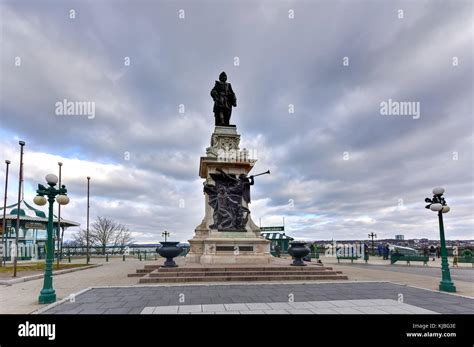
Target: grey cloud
[282,62]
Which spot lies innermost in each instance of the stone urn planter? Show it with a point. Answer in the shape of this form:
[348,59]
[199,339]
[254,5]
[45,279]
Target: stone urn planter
[169,250]
[298,250]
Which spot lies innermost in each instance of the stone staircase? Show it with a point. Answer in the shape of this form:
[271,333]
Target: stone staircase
[159,274]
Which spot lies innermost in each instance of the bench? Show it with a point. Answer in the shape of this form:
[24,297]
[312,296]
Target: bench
[409,258]
[466,260]
[351,258]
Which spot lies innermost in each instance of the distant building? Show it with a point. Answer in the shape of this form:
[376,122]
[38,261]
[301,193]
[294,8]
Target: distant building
[399,237]
[278,238]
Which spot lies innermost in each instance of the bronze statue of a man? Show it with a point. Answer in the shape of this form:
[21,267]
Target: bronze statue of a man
[224,98]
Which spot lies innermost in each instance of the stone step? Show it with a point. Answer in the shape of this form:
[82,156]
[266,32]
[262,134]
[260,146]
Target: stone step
[152,267]
[300,277]
[239,269]
[140,272]
[160,273]
[219,270]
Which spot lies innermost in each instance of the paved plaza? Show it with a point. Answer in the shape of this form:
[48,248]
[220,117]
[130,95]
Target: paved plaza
[465,274]
[376,306]
[123,294]
[351,297]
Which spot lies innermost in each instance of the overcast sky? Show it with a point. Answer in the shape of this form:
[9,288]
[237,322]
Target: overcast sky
[339,168]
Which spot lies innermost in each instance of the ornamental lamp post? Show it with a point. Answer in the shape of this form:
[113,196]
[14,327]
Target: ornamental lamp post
[372,235]
[165,234]
[48,294]
[58,230]
[438,204]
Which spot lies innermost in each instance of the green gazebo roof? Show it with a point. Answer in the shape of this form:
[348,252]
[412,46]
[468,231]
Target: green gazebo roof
[276,236]
[39,216]
[15,212]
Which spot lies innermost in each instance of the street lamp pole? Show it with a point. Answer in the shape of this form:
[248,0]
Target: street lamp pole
[165,234]
[58,231]
[372,235]
[438,204]
[87,230]
[4,226]
[20,182]
[48,294]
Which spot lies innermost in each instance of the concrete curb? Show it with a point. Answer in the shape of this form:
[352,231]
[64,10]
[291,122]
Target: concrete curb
[39,276]
[208,284]
[50,306]
[432,290]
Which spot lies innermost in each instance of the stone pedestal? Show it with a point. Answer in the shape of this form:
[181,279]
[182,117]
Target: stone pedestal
[213,246]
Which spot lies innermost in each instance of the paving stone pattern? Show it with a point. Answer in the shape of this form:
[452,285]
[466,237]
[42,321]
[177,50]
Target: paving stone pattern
[134,299]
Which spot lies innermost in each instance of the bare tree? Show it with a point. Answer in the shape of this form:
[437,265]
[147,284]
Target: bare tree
[106,232]
[79,240]
[123,237]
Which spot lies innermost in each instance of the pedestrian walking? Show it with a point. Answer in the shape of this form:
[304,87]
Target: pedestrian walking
[455,256]
[386,252]
[277,250]
[366,253]
[432,252]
